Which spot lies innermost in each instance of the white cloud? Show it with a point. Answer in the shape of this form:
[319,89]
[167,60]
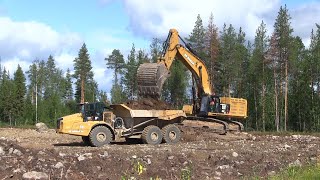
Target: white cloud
[11,65]
[155,18]
[31,39]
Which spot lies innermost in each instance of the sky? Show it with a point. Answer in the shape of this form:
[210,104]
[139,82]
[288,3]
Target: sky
[34,29]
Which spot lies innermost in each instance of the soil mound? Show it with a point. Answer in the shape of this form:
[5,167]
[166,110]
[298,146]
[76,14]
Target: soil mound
[148,104]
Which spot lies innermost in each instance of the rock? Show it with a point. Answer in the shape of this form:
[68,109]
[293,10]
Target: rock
[253,138]
[287,146]
[10,150]
[85,156]
[134,157]
[62,154]
[234,154]
[17,152]
[41,127]
[296,163]
[2,151]
[223,167]
[148,161]
[81,158]
[41,153]
[216,177]
[58,165]
[99,168]
[271,173]
[35,175]
[105,154]
[170,157]
[17,170]
[217,173]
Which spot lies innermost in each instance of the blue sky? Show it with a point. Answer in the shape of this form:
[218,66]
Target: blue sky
[34,28]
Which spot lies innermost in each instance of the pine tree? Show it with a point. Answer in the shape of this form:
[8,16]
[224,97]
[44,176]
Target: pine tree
[155,49]
[68,86]
[283,31]
[82,67]
[19,94]
[130,75]
[7,97]
[115,61]
[212,50]
[197,39]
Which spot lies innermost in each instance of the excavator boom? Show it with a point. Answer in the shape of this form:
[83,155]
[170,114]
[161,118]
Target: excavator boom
[151,76]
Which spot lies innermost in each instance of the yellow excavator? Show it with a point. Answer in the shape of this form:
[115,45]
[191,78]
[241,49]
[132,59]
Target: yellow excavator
[206,106]
[99,125]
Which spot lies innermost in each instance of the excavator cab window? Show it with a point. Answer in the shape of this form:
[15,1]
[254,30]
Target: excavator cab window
[214,104]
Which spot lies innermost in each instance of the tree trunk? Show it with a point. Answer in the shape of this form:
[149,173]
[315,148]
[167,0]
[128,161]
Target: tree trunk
[82,90]
[263,100]
[286,97]
[276,100]
[256,109]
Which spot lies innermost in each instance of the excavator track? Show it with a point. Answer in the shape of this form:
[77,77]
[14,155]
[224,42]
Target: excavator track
[216,125]
[151,77]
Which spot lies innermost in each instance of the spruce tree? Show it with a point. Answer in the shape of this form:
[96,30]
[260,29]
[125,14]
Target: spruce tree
[82,68]
[19,81]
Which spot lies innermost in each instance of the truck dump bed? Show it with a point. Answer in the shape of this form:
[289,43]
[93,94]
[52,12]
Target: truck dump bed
[124,111]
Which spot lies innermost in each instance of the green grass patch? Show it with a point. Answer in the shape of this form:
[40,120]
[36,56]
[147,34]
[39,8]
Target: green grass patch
[308,172]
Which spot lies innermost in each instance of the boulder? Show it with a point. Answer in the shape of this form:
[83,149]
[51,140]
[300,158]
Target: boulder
[41,127]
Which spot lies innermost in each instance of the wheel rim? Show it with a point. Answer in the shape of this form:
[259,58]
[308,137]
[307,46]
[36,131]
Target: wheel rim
[101,137]
[154,136]
[172,135]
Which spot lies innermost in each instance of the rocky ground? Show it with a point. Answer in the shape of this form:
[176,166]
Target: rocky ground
[28,154]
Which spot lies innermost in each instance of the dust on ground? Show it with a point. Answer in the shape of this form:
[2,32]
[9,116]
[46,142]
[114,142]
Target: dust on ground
[28,154]
[148,104]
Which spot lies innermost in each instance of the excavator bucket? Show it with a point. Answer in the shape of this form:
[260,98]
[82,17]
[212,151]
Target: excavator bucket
[151,77]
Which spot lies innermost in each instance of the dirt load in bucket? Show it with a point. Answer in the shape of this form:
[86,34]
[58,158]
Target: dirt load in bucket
[148,104]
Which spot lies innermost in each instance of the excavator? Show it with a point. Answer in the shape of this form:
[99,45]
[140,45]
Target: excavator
[100,125]
[206,106]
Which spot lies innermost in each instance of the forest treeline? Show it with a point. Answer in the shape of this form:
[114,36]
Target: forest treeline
[275,72]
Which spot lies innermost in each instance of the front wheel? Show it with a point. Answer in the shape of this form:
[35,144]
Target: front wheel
[100,136]
[151,135]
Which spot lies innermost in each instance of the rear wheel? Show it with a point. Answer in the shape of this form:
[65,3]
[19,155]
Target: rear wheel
[171,134]
[100,136]
[86,140]
[151,135]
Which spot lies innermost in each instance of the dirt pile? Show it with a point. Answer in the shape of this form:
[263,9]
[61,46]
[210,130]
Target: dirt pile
[148,104]
[28,154]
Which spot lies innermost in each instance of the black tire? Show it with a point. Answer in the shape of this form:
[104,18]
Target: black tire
[171,134]
[100,136]
[86,140]
[151,135]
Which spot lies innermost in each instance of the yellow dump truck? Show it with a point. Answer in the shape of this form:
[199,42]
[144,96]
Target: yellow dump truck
[99,126]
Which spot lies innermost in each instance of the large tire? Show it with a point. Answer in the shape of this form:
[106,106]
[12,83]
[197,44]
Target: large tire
[86,140]
[171,134]
[151,135]
[100,136]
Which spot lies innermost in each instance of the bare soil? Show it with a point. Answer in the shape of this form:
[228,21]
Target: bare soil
[201,154]
[148,104]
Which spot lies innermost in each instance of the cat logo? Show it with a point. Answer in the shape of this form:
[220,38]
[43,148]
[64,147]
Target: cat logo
[189,59]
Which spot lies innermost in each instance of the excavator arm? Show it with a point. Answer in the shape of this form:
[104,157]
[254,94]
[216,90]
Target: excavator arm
[151,76]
